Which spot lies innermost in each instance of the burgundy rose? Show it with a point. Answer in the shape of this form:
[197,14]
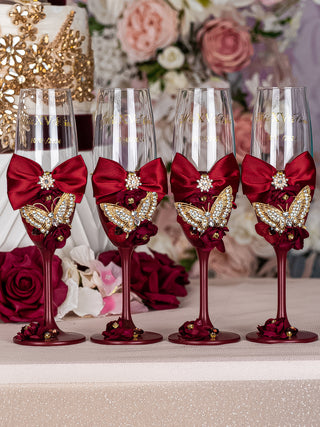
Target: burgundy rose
[130,199]
[202,200]
[118,330]
[277,328]
[57,237]
[157,280]
[47,197]
[141,235]
[291,238]
[34,331]
[21,285]
[211,238]
[282,198]
[195,330]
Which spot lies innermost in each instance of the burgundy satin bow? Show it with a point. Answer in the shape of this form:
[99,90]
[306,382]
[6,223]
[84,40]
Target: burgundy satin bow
[109,178]
[23,177]
[184,176]
[257,175]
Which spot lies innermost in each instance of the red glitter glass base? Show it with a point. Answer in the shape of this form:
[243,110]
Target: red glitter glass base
[221,338]
[300,337]
[145,338]
[63,338]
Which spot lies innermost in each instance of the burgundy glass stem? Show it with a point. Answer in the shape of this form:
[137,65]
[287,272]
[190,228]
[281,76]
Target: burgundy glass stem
[47,256]
[203,256]
[125,254]
[281,262]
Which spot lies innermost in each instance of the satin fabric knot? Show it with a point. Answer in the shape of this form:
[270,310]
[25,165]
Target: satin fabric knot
[257,175]
[185,177]
[23,179]
[109,178]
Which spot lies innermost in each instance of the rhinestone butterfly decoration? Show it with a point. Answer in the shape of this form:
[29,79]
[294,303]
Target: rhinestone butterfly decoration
[201,219]
[295,216]
[129,220]
[43,219]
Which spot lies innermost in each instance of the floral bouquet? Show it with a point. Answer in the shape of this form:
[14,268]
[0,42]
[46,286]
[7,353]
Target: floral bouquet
[172,44]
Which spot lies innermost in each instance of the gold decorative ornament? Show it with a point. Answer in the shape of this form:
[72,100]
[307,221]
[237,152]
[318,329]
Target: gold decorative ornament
[201,219]
[60,238]
[115,325]
[132,181]
[43,219]
[278,219]
[204,183]
[279,180]
[190,326]
[28,59]
[47,335]
[129,220]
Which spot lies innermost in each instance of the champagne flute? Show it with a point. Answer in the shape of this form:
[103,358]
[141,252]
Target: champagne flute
[279,179]
[204,181]
[128,183]
[39,175]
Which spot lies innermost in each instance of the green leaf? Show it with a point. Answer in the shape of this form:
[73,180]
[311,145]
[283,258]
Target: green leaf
[94,25]
[80,4]
[188,261]
[153,70]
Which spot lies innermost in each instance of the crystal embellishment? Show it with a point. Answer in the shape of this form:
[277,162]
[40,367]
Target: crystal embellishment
[46,181]
[200,219]
[279,181]
[204,183]
[132,181]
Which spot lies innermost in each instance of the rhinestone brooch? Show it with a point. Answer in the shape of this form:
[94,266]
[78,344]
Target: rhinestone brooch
[46,181]
[204,183]
[132,181]
[279,181]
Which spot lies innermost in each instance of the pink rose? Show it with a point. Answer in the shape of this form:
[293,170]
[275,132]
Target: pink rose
[269,3]
[225,45]
[242,130]
[146,26]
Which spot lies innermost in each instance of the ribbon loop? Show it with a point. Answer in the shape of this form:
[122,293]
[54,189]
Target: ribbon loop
[23,179]
[109,178]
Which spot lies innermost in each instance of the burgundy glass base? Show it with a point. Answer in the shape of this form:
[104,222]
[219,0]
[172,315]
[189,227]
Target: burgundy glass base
[145,338]
[301,336]
[221,338]
[63,338]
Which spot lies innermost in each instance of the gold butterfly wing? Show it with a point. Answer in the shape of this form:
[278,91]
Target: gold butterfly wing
[119,216]
[64,209]
[221,208]
[271,216]
[37,218]
[146,207]
[192,215]
[299,208]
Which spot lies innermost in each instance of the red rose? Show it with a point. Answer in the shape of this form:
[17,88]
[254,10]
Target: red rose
[277,328]
[282,198]
[291,238]
[225,45]
[141,235]
[57,237]
[117,330]
[195,330]
[34,331]
[211,238]
[157,280]
[21,285]
[130,199]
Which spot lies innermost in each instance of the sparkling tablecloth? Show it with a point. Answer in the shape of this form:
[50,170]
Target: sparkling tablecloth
[164,384]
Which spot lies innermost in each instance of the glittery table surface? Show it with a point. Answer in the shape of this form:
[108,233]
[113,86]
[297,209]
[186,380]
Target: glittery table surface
[163,384]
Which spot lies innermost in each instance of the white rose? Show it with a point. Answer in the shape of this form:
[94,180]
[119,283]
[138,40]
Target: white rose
[174,81]
[106,11]
[171,58]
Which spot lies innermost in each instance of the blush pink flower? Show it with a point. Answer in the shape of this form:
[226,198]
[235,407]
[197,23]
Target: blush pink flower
[225,45]
[147,25]
[242,130]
